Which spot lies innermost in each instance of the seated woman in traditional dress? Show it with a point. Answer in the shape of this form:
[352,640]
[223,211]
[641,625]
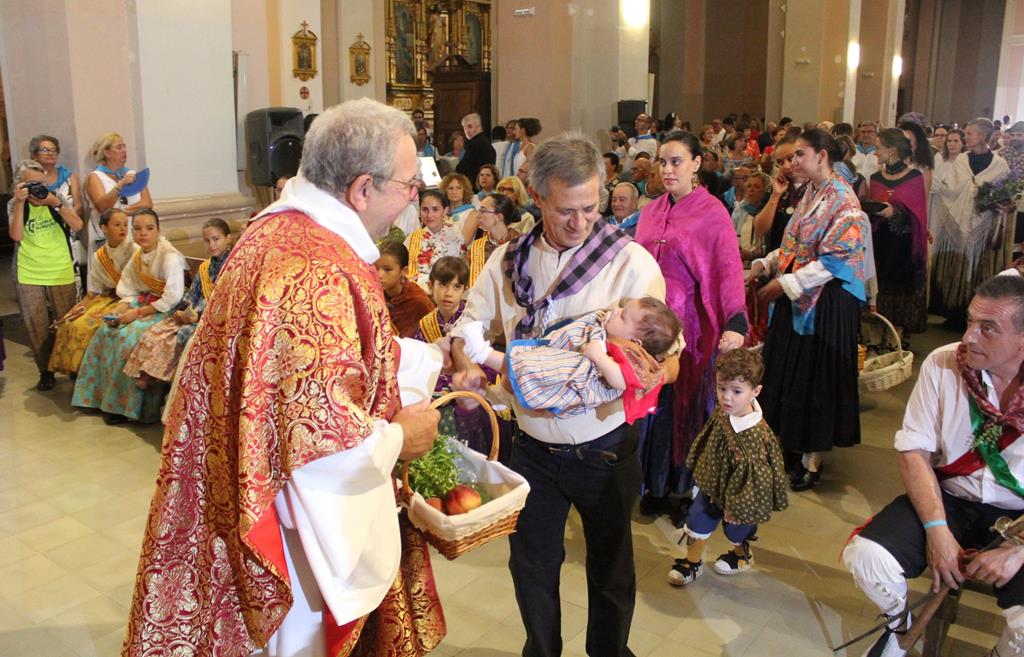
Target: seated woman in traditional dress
[76,328]
[407,302]
[972,243]
[900,233]
[495,216]
[572,370]
[157,354]
[436,239]
[459,192]
[151,285]
[486,180]
[512,187]
[817,281]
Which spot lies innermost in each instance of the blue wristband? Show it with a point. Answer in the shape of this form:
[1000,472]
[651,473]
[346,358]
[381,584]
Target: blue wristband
[934,523]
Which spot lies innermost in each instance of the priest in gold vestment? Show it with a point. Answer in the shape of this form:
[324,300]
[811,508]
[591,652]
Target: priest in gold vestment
[273,530]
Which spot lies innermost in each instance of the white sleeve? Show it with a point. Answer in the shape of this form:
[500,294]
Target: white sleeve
[483,303]
[806,278]
[770,262]
[923,417]
[97,281]
[343,507]
[174,283]
[126,290]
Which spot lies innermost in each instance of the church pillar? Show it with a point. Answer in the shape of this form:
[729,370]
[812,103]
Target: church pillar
[819,60]
[568,65]
[881,38]
[1010,79]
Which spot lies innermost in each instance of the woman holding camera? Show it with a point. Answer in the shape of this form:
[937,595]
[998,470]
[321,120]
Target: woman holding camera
[40,222]
[104,184]
[151,285]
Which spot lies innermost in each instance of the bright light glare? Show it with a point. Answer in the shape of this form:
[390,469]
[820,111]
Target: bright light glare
[635,13]
[853,55]
[897,66]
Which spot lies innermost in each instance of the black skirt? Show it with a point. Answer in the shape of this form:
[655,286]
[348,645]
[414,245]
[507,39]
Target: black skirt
[810,397]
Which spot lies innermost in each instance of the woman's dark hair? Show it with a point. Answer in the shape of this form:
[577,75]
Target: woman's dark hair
[614,158]
[670,120]
[730,142]
[530,125]
[449,268]
[505,208]
[109,213]
[963,141]
[219,224]
[687,139]
[922,150]
[894,138]
[434,193]
[147,211]
[34,143]
[820,139]
[397,251]
[498,133]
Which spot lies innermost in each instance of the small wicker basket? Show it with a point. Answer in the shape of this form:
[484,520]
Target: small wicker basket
[888,370]
[456,535]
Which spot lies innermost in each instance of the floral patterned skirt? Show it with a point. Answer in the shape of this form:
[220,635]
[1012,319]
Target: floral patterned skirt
[158,352]
[102,382]
[73,337]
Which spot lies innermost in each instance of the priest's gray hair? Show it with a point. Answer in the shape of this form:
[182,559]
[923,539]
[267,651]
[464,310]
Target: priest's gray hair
[570,158]
[352,139]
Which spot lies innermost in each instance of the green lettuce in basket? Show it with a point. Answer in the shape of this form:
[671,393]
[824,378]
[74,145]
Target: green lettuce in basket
[435,473]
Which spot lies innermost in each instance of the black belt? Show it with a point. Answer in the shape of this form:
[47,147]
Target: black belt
[600,446]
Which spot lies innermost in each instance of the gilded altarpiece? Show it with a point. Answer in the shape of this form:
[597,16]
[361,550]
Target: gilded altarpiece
[427,35]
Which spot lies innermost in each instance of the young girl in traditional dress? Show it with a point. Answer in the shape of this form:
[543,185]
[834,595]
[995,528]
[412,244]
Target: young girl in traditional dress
[77,327]
[151,285]
[407,302]
[157,354]
[571,370]
[436,239]
[737,464]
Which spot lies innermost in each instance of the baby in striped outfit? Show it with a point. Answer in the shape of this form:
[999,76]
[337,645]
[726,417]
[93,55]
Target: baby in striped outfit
[570,369]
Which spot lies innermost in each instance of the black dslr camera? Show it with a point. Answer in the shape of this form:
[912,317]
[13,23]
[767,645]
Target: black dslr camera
[37,189]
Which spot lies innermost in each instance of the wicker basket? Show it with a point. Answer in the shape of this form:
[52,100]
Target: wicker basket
[888,370]
[458,534]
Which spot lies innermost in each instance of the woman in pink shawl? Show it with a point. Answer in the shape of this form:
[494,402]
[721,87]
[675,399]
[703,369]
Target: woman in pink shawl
[690,234]
[900,230]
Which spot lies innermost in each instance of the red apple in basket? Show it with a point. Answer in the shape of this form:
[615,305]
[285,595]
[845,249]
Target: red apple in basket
[461,499]
[436,503]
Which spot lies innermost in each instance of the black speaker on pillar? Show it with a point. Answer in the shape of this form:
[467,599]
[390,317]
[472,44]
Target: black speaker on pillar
[273,138]
[628,109]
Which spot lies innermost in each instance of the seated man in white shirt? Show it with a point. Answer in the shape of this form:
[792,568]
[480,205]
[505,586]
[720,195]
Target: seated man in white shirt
[957,484]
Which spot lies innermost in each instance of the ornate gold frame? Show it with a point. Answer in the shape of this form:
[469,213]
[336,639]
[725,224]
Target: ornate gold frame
[359,52]
[304,53]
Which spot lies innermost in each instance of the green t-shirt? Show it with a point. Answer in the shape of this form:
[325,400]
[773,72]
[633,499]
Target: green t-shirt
[43,254]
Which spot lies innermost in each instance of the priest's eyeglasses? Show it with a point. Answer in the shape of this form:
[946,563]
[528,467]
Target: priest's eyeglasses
[412,186]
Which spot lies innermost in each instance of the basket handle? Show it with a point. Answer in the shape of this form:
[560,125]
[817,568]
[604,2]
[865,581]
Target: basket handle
[892,330]
[451,396]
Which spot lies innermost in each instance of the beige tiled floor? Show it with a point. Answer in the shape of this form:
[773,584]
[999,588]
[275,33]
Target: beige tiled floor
[74,495]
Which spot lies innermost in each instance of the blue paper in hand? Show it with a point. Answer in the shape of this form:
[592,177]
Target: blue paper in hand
[141,181]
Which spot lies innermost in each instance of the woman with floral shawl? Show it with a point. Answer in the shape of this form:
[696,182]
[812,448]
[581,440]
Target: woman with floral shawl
[810,396]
